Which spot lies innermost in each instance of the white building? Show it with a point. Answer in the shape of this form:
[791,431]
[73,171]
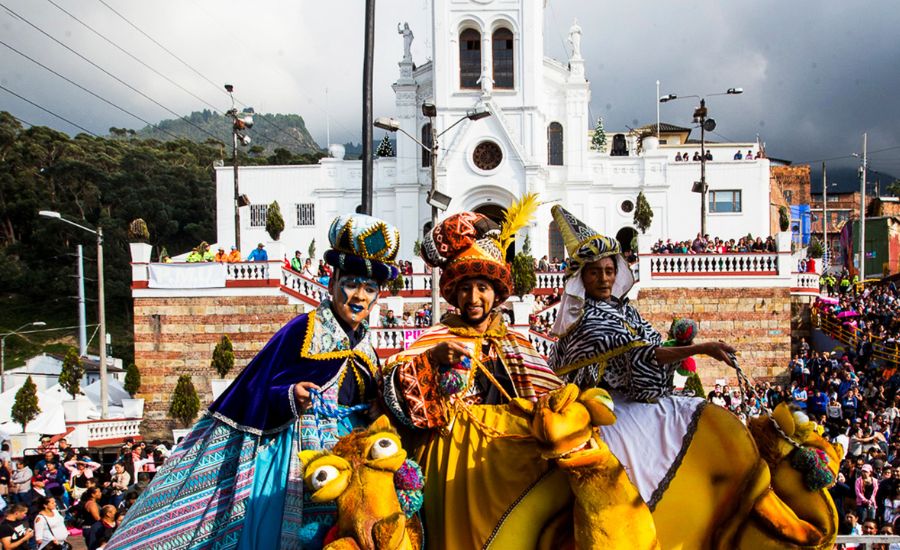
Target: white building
[491,55]
[44,371]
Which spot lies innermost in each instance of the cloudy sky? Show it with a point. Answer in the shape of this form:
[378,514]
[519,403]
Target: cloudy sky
[816,74]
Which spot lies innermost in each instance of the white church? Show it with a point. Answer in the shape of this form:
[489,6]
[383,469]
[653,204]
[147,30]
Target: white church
[489,54]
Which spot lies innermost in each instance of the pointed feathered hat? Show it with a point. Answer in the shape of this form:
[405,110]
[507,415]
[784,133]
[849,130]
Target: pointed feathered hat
[468,245]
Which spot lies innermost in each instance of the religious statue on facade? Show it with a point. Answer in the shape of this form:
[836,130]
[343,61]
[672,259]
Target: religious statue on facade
[407,40]
[575,39]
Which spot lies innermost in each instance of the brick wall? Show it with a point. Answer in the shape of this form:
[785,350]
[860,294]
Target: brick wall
[174,336]
[756,321]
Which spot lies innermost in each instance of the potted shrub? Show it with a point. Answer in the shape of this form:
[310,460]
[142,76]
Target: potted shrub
[77,408]
[134,407]
[222,362]
[138,236]
[185,406]
[643,214]
[784,218]
[25,409]
[274,227]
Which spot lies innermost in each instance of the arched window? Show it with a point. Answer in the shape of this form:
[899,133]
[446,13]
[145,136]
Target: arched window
[469,58]
[502,48]
[555,144]
[426,140]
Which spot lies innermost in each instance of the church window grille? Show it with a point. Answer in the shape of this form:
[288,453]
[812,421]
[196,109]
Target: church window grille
[258,215]
[487,155]
[502,52]
[306,214]
[555,144]
[469,58]
[426,140]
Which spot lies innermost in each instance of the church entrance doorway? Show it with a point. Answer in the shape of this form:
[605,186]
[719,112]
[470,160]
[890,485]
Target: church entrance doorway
[497,213]
[627,237]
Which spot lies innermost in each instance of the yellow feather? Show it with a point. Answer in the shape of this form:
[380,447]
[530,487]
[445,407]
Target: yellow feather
[517,217]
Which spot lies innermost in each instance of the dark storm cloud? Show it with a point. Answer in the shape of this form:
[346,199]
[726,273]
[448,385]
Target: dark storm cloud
[816,75]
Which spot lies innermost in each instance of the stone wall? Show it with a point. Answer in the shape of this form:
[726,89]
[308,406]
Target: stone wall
[756,321]
[174,336]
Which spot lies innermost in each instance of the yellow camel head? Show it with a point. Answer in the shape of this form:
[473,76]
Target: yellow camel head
[564,421]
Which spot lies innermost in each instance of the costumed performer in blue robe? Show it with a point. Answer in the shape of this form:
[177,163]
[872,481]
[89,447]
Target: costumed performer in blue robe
[236,481]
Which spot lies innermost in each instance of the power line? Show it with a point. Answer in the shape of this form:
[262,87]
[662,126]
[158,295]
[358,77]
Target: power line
[114,77]
[21,120]
[5,89]
[132,56]
[79,86]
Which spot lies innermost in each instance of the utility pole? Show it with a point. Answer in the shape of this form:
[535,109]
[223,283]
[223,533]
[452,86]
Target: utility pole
[101,298]
[862,213]
[435,283]
[700,114]
[82,314]
[368,63]
[237,193]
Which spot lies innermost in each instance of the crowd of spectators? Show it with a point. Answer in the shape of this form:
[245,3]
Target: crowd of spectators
[67,493]
[703,244]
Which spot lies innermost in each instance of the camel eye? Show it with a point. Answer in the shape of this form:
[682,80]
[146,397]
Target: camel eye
[383,447]
[322,475]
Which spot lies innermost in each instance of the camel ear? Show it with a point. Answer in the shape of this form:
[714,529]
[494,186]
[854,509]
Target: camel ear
[600,406]
[785,419]
[560,398]
[381,424]
[522,405]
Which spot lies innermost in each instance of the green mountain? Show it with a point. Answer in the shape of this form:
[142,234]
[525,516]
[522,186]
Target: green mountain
[270,131]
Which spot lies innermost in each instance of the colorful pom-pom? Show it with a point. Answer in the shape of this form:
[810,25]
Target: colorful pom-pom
[409,483]
[452,382]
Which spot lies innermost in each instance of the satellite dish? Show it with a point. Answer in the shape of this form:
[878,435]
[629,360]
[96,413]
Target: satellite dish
[709,125]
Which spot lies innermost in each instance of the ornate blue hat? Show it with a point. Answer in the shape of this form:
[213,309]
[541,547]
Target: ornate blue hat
[364,245]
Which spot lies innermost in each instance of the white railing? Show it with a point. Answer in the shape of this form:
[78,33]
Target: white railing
[548,315]
[809,281]
[248,271]
[541,342]
[743,263]
[305,287]
[113,429]
[417,281]
[394,338]
[549,279]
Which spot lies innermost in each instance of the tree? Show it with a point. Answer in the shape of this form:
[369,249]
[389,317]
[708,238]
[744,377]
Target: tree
[25,407]
[643,214]
[274,221]
[223,356]
[312,249]
[523,275]
[71,373]
[417,248]
[185,403]
[137,231]
[132,379]
[784,218]
[396,285]
[815,249]
[598,138]
[385,149]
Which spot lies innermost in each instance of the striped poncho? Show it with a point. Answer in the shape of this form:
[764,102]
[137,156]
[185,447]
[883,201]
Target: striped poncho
[411,389]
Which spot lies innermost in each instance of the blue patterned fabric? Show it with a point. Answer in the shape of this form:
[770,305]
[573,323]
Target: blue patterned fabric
[236,481]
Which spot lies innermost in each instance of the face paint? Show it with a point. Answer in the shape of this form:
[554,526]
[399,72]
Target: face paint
[354,298]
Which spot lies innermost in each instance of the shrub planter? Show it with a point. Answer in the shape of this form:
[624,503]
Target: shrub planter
[140,252]
[219,385]
[76,410]
[133,408]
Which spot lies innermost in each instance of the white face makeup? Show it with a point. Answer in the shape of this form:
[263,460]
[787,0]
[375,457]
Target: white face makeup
[353,298]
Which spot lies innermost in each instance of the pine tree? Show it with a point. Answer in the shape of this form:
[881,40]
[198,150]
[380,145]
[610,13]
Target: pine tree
[385,149]
[523,275]
[71,373]
[185,403]
[643,214]
[223,356]
[274,221]
[598,139]
[132,379]
[25,407]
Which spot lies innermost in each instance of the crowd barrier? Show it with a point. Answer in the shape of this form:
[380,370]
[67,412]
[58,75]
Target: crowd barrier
[841,330]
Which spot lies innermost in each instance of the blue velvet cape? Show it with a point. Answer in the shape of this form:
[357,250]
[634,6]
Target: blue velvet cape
[310,348]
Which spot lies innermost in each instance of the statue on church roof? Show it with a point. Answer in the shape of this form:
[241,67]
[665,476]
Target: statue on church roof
[575,39]
[407,40]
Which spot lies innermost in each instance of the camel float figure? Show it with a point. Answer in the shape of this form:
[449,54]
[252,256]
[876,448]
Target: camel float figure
[539,475]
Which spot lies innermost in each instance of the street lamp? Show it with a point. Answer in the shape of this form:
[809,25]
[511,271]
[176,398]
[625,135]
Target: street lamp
[706,125]
[239,123]
[101,306]
[437,200]
[3,350]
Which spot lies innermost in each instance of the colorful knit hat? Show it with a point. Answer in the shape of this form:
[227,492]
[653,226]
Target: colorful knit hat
[363,245]
[468,245]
